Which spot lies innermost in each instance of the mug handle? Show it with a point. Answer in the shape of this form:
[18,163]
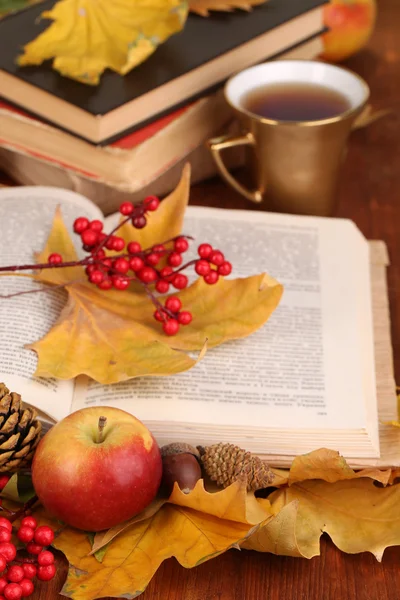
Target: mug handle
[227,141]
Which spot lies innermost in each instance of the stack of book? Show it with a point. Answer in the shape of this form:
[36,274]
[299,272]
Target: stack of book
[132,133]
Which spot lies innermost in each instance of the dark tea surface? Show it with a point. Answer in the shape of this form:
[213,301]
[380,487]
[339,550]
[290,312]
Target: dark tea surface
[295,102]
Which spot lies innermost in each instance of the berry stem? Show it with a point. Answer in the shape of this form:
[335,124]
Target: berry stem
[38,267]
[22,512]
[156,302]
[42,289]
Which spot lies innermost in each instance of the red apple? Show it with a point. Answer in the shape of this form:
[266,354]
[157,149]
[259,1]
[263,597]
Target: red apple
[350,24]
[93,475]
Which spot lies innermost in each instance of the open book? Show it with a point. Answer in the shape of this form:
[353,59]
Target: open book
[314,375]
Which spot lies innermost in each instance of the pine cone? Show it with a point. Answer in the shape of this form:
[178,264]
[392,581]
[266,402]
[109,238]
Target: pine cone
[225,463]
[19,432]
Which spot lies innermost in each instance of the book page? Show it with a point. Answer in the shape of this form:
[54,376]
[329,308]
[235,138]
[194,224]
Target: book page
[26,216]
[305,367]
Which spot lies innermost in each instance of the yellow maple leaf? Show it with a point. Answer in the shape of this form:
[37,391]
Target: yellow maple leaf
[191,527]
[112,336]
[203,7]
[87,37]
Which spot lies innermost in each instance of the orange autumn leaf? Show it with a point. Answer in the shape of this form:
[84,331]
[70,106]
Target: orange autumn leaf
[112,336]
[203,7]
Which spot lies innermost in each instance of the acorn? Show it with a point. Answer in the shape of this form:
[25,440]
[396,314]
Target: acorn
[181,465]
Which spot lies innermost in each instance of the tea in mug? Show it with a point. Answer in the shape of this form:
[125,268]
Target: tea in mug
[295,102]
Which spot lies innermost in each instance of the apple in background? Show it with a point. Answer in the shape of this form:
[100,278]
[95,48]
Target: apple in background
[96,468]
[351,23]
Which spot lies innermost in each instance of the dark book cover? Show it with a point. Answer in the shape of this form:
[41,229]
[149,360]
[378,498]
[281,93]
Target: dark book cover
[201,40]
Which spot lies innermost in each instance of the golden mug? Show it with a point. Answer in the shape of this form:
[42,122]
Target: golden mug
[295,165]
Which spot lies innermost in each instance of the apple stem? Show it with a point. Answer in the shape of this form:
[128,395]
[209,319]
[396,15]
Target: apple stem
[102,424]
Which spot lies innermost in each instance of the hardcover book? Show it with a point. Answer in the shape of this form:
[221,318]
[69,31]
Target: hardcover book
[189,64]
[33,152]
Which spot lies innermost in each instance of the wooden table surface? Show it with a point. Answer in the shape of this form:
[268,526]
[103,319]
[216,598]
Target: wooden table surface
[370,195]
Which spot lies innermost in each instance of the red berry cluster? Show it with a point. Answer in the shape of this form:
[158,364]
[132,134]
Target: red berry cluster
[159,266]
[16,579]
[211,264]
[172,316]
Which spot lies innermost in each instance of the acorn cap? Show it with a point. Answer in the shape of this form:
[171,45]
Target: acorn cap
[179,448]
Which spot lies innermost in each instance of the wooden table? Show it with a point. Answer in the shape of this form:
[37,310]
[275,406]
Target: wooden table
[370,195]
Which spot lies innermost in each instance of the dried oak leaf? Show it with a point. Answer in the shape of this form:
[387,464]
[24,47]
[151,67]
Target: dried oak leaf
[357,515]
[326,495]
[113,336]
[203,7]
[87,37]
[191,527]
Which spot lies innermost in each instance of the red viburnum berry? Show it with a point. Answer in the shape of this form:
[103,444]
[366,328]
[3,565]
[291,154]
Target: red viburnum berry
[126,209]
[180,281]
[147,274]
[171,327]
[3,563]
[118,244]
[5,523]
[80,224]
[173,304]
[211,278]
[204,250]
[7,549]
[96,277]
[3,583]
[181,245]
[45,558]
[46,573]
[225,269]
[4,479]
[96,225]
[101,237]
[89,237]
[27,587]
[5,534]
[55,259]
[159,249]
[162,286]
[44,535]
[134,247]
[12,591]
[185,317]
[139,222]
[15,574]
[98,254]
[29,522]
[159,316]
[174,259]
[121,265]
[29,570]
[166,272]
[25,534]
[33,548]
[151,203]
[216,258]
[90,268]
[120,283]
[136,263]
[110,242]
[153,258]
[106,263]
[106,284]
[202,267]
